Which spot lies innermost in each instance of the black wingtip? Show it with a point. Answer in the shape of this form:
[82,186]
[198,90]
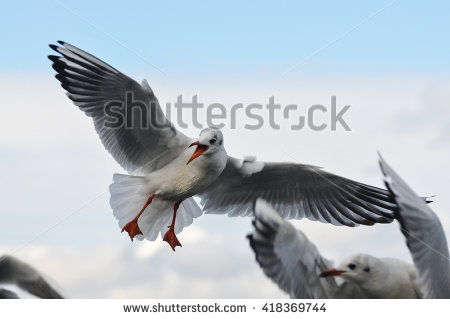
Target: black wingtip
[59,77]
[428,199]
[53,47]
[53,58]
[61,42]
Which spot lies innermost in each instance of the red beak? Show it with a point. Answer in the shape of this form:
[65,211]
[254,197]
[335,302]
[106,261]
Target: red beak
[332,272]
[201,149]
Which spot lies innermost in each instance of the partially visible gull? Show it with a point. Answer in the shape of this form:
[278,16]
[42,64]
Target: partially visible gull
[14,271]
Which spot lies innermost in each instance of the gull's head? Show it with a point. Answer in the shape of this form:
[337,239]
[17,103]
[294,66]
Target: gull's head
[209,142]
[358,268]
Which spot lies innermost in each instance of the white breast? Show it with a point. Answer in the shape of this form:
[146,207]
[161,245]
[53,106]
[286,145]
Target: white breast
[179,181]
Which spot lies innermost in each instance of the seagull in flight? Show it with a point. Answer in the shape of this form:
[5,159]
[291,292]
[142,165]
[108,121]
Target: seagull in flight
[14,271]
[166,168]
[294,263]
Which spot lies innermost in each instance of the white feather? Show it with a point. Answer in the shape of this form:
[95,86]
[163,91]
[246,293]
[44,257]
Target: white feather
[128,196]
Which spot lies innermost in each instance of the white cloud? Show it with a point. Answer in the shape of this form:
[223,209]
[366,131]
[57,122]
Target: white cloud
[52,163]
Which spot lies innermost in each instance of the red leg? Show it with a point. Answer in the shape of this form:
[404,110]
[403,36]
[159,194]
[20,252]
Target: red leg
[132,227]
[170,235]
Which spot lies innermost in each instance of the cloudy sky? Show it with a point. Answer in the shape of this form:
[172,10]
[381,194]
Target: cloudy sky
[392,69]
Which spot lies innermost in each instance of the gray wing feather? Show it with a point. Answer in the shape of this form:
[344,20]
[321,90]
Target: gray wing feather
[136,133]
[297,191]
[424,235]
[288,257]
[13,271]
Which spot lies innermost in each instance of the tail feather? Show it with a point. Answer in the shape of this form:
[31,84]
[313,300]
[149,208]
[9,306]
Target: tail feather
[188,210]
[128,197]
[155,219]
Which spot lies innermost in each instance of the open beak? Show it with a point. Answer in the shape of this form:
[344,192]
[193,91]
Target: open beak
[200,149]
[332,272]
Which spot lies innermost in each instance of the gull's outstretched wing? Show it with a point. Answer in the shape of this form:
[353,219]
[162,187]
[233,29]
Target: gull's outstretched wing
[424,235]
[13,271]
[288,257]
[296,191]
[126,114]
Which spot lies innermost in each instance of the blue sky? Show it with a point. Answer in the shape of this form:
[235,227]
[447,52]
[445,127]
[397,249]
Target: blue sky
[235,36]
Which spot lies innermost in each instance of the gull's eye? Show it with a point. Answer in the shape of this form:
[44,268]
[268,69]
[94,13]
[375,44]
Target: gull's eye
[351,266]
[212,141]
[367,269]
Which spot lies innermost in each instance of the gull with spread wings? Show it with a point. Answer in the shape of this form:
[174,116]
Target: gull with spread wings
[167,168]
